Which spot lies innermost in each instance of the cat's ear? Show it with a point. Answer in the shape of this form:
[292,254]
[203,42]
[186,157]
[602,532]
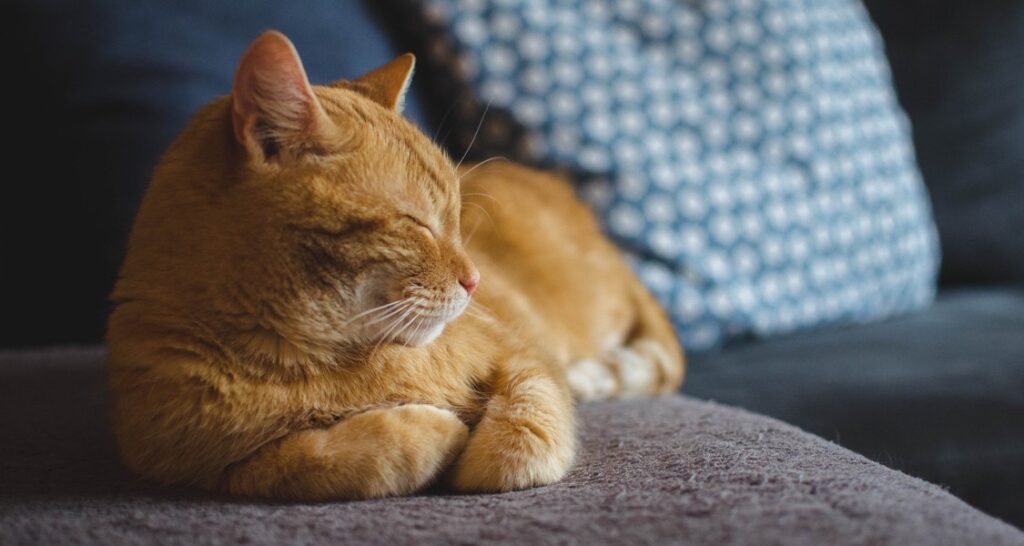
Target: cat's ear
[274,110]
[388,84]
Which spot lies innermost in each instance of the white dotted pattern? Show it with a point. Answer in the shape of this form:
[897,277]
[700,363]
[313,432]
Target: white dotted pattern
[748,154]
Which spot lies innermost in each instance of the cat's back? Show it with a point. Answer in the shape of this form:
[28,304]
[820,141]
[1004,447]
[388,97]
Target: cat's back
[544,261]
[525,199]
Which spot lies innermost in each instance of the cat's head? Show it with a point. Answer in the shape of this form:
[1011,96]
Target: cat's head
[350,215]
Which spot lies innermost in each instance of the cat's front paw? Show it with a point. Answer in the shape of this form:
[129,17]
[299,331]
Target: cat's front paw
[507,453]
[424,440]
[377,453]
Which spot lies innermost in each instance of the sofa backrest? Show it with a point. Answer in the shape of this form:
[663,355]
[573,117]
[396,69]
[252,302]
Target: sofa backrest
[958,72]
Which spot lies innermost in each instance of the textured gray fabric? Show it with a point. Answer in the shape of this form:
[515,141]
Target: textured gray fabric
[937,394]
[673,470]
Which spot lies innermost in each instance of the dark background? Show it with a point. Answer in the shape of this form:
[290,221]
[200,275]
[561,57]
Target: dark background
[101,88]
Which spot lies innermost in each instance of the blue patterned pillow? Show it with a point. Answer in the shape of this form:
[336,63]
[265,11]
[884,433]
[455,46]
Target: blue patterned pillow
[749,155]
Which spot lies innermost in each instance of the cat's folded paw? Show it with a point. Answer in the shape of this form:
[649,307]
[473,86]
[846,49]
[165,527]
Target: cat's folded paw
[376,453]
[398,450]
[428,440]
[506,454]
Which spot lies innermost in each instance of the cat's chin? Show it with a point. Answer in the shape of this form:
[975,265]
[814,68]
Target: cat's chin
[427,336]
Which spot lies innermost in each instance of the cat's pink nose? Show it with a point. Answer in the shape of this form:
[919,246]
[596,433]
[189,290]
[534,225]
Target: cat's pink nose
[470,281]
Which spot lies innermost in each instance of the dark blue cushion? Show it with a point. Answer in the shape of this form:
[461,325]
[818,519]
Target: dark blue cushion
[957,68]
[937,395]
[100,89]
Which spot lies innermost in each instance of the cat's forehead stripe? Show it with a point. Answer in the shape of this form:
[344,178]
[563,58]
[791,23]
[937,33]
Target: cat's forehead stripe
[442,188]
[436,181]
[408,140]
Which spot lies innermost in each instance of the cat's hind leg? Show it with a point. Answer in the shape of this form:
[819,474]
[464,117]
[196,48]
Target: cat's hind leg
[650,362]
[641,368]
[377,453]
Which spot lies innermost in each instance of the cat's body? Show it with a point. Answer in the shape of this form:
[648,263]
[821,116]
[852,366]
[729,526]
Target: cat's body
[290,323]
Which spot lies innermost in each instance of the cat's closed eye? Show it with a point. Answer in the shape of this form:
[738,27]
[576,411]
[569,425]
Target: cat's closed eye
[349,229]
[420,224]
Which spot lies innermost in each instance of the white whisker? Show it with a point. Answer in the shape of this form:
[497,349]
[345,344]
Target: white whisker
[444,118]
[416,331]
[472,233]
[379,308]
[394,321]
[409,303]
[475,134]
[487,195]
[385,337]
[482,209]
[405,326]
[481,164]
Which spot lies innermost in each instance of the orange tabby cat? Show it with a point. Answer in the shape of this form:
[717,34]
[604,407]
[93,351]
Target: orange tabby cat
[294,315]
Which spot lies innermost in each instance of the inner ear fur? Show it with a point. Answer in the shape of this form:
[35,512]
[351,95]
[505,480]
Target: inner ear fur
[275,112]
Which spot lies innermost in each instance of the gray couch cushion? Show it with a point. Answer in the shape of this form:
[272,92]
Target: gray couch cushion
[937,394]
[667,471]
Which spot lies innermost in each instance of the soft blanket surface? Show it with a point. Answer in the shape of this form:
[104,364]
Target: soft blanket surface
[674,470]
